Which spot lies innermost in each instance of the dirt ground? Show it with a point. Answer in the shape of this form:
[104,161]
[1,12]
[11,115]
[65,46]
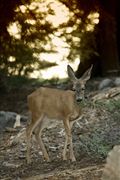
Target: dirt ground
[12,157]
[13,164]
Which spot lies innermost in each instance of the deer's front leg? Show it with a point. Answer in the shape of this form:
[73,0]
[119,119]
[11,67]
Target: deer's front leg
[68,140]
[72,156]
[65,148]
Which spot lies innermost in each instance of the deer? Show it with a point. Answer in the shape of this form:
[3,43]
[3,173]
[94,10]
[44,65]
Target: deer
[47,103]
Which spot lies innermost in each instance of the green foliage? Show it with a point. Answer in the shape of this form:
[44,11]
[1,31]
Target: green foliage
[95,145]
[105,133]
[25,48]
[19,81]
[35,36]
[16,82]
[113,105]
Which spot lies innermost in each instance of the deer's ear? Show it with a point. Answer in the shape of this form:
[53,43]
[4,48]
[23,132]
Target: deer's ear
[86,76]
[71,73]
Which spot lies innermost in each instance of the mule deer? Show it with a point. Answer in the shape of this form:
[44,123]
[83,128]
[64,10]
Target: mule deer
[47,103]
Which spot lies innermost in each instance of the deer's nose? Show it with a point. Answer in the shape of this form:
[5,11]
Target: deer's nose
[79,99]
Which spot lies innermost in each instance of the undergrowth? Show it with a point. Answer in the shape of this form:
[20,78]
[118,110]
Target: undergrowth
[106,132]
[21,81]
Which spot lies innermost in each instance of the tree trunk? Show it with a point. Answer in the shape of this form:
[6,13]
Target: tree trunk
[107,64]
[108,46]
[118,27]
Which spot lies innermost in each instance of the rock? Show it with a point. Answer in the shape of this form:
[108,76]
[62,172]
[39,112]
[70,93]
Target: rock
[53,148]
[40,153]
[8,129]
[19,138]
[112,168]
[11,165]
[23,118]
[17,121]
[61,133]
[117,81]
[106,83]
[23,149]
[10,120]
[21,156]
[7,119]
[45,139]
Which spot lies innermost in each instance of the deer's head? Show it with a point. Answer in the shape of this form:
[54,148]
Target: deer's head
[79,84]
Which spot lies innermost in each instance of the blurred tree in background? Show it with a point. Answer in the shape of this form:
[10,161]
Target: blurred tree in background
[19,52]
[101,44]
[91,34]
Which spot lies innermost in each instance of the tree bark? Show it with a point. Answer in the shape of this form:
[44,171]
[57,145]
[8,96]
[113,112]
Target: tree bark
[108,50]
[108,47]
[118,27]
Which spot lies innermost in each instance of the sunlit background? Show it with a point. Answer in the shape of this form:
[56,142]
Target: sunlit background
[61,48]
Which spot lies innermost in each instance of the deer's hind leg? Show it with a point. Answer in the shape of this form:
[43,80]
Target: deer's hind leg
[29,130]
[38,133]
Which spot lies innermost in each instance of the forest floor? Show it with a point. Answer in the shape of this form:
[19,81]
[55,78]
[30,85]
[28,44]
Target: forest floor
[93,138]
